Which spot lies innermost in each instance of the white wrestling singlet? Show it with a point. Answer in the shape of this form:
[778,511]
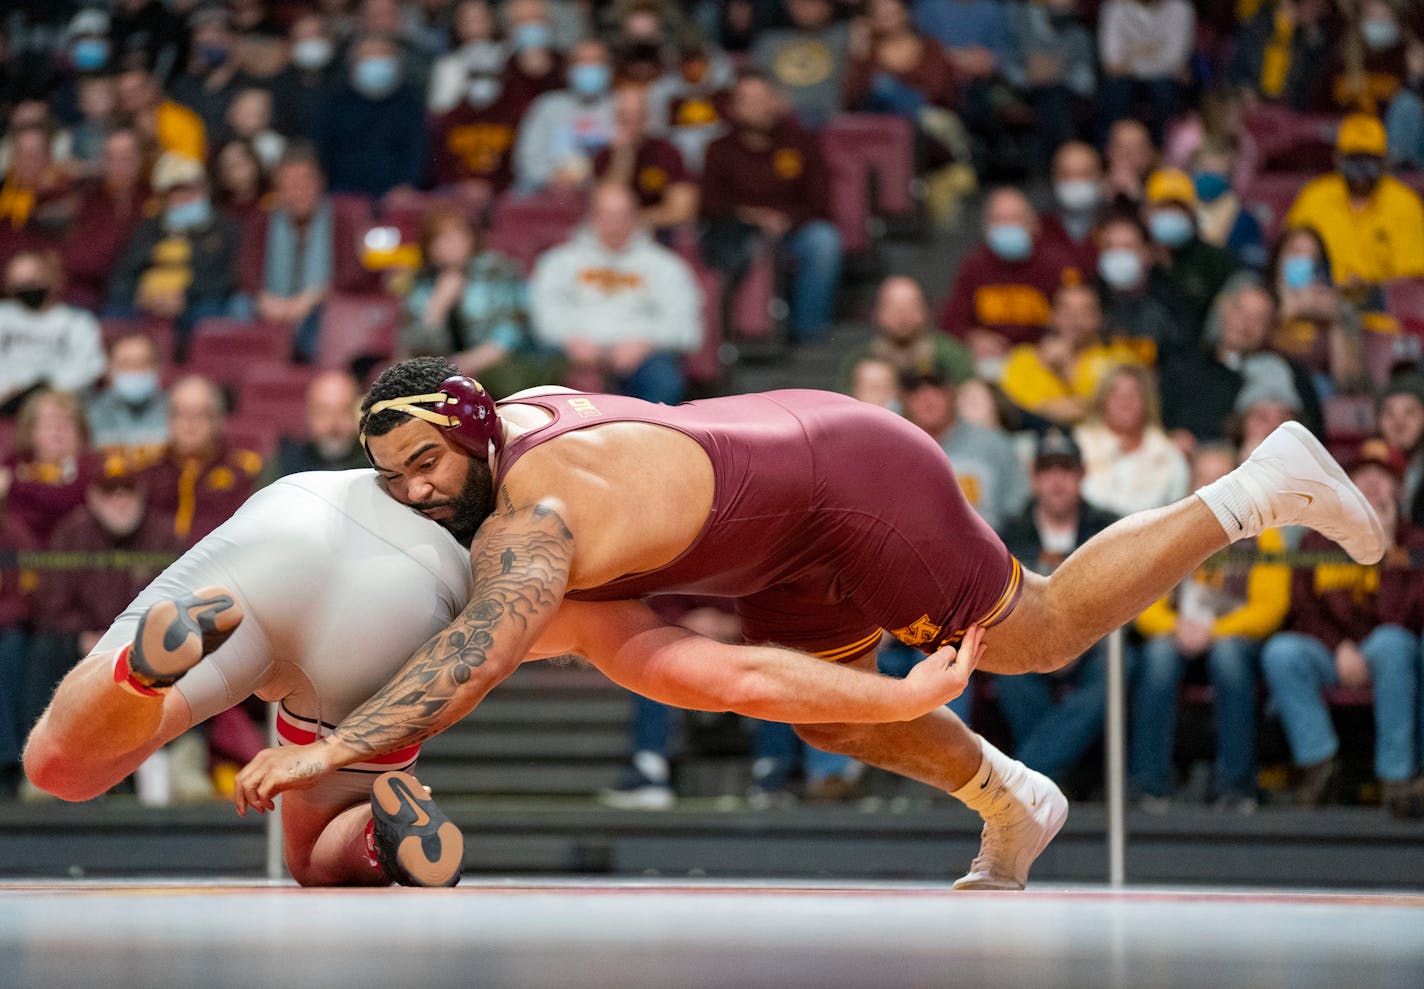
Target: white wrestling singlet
[339,583]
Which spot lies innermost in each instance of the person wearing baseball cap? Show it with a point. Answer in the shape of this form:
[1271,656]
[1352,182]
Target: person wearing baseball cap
[1372,224]
[1055,718]
[1196,269]
[1356,626]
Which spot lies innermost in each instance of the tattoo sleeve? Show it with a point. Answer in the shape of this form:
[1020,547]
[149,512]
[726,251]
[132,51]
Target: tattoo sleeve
[520,564]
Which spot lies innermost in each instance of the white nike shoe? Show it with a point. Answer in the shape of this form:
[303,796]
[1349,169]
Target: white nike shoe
[1293,480]
[1029,810]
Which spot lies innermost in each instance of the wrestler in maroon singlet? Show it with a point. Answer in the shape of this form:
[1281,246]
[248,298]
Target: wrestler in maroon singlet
[831,519]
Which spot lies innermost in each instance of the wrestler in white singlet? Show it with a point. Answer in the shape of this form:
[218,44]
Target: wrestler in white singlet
[339,584]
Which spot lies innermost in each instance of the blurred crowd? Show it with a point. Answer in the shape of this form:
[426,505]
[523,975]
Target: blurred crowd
[1190,222]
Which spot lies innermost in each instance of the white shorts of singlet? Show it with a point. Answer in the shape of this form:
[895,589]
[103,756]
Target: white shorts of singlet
[339,584]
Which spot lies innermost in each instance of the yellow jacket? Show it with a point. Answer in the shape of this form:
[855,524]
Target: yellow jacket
[1267,598]
[1030,384]
[1385,240]
[182,130]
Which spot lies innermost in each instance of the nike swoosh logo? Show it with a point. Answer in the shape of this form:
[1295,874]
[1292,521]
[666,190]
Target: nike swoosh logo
[421,817]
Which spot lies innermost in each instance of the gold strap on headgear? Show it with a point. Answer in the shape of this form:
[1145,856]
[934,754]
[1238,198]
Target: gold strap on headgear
[407,404]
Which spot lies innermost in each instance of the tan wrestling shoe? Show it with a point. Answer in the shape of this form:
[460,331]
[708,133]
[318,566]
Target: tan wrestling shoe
[175,634]
[1293,480]
[416,844]
[1029,811]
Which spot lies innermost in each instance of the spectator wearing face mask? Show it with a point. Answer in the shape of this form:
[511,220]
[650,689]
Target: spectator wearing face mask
[1222,219]
[210,79]
[535,65]
[43,341]
[1318,326]
[1371,223]
[1077,175]
[1002,291]
[298,90]
[1195,268]
[370,131]
[1368,62]
[1139,300]
[565,129]
[476,54]
[129,417]
[473,141]
[179,265]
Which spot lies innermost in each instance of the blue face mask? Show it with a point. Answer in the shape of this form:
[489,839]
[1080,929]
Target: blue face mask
[1009,241]
[214,56]
[1298,271]
[1120,268]
[135,386]
[89,54]
[1379,34]
[1211,186]
[1170,227]
[376,76]
[533,35]
[590,79]
[188,216]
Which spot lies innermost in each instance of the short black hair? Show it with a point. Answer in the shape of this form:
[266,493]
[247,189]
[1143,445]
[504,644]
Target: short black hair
[416,376]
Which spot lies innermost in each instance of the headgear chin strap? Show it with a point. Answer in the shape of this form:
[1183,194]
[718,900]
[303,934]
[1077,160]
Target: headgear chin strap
[462,408]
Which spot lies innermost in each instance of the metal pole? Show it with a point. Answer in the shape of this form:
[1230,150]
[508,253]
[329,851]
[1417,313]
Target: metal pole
[276,866]
[1116,731]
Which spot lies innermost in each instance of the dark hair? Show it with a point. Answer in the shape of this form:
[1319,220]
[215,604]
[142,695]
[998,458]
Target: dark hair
[1273,269]
[416,376]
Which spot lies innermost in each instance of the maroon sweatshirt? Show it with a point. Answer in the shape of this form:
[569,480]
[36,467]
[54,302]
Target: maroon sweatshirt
[657,166]
[1336,602]
[43,494]
[95,239]
[788,175]
[473,143]
[1011,298]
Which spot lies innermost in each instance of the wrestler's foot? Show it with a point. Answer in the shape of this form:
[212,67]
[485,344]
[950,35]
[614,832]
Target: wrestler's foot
[416,844]
[174,634]
[1019,822]
[1292,480]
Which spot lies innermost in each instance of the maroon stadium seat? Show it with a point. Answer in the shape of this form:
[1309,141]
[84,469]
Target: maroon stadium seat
[755,301]
[1290,141]
[1349,418]
[255,435]
[1404,300]
[276,394]
[350,219]
[524,227]
[239,341]
[357,326]
[704,366]
[1270,197]
[862,149]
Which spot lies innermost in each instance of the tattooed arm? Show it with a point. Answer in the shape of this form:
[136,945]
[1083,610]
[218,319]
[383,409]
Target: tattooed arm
[520,564]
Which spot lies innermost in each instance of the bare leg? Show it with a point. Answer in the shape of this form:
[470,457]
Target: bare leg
[326,844]
[1105,583]
[94,733]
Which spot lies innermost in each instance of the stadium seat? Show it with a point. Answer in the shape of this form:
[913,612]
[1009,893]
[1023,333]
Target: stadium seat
[1348,418]
[1381,350]
[755,303]
[1290,141]
[1404,300]
[863,152]
[1270,197]
[523,227]
[355,327]
[704,366]
[275,394]
[222,349]
[350,219]
[7,439]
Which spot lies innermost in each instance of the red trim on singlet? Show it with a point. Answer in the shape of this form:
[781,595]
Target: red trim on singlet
[297,735]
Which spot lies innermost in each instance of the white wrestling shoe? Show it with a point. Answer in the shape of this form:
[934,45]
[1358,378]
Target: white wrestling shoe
[1292,480]
[1027,812]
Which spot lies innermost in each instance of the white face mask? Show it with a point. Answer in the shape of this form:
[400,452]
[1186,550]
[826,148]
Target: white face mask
[483,91]
[1077,195]
[312,53]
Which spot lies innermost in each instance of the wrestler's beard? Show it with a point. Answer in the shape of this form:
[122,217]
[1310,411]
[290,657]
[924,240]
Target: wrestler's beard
[470,507]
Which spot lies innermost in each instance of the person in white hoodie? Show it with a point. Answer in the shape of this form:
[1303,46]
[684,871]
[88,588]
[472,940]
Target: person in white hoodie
[621,307]
[43,340]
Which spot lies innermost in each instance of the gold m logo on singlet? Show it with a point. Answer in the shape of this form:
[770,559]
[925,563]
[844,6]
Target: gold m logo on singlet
[922,630]
[585,408]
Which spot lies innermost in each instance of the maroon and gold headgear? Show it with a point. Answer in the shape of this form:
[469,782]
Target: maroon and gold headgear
[461,408]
